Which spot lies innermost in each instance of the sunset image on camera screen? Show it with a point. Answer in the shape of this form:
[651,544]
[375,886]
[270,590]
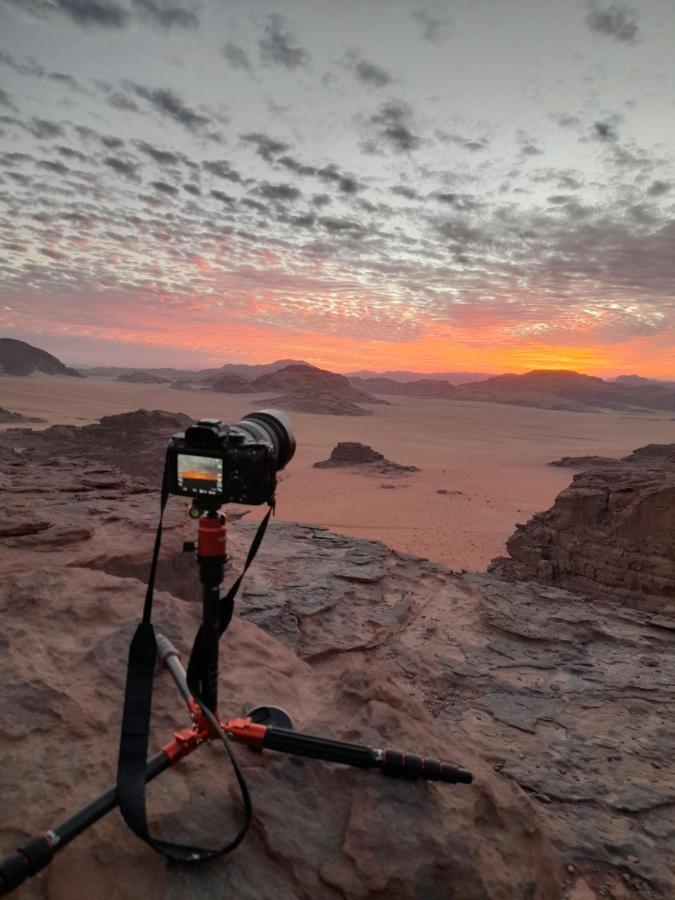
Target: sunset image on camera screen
[200,474]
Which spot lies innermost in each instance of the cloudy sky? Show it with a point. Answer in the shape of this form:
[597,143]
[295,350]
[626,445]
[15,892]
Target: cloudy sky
[472,184]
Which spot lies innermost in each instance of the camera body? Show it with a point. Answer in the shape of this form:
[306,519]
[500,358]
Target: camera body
[217,463]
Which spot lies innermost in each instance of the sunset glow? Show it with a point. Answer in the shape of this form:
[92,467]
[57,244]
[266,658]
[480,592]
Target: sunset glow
[316,188]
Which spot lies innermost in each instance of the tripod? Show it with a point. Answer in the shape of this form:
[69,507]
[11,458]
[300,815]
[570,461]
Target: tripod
[268,728]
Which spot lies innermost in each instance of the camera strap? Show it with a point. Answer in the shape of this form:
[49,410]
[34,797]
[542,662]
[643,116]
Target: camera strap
[133,750]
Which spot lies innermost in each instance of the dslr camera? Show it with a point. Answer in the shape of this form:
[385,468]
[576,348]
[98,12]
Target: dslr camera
[216,463]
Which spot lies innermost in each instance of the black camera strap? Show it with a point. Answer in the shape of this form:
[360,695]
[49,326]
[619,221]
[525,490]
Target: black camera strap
[133,750]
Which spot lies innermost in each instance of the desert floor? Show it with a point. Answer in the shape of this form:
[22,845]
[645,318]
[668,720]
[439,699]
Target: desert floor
[496,455]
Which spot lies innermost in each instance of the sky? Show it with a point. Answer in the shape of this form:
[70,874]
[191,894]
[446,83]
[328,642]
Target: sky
[464,185]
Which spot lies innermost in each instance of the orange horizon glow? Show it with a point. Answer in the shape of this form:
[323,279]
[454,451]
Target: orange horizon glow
[652,356]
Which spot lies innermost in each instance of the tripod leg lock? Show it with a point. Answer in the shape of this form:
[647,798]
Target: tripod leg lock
[28,860]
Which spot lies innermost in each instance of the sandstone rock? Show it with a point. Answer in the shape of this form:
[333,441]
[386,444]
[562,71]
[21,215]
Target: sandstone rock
[583,462]
[351,453]
[7,416]
[611,534]
[563,706]
[319,402]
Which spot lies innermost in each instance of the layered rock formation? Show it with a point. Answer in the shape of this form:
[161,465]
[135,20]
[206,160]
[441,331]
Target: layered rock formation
[611,534]
[351,453]
[20,358]
[562,707]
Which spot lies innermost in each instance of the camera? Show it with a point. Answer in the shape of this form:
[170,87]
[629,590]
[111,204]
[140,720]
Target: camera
[216,463]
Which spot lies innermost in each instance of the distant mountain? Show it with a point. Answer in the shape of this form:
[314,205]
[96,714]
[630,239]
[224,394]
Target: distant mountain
[401,375]
[142,377]
[167,373]
[563,389]
[307,386]
[20,358]
[248,372]
[638,379]
[424,388]
[544,388]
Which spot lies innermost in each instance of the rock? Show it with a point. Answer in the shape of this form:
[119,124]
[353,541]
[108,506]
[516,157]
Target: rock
[232,384]
[319,402]
[583,462]
[444,491]
[20,358]
[351,453]
[7,416]
[141,377]
[543,693]
[611,534]
[301,378]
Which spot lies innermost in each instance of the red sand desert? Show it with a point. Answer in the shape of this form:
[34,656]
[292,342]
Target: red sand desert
[496,455]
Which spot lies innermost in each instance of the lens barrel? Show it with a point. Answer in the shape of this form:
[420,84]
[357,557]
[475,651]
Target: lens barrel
[273,426]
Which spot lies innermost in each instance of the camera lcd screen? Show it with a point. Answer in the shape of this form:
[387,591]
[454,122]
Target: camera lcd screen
[200,475]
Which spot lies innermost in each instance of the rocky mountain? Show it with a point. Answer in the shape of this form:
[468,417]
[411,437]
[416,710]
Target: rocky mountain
[425,388]
[248,372]
[142,377]
[299,377]
[232,384]
[402,375]
[638,380]
[546,389]
[561,704]
[560,389]
[20,358]
[611,534]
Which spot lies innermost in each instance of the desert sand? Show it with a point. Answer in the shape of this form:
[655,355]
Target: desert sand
[497,456]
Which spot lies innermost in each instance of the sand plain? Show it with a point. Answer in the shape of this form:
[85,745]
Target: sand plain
[496,455]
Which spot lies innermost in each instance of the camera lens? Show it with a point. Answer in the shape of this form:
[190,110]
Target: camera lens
[272,426]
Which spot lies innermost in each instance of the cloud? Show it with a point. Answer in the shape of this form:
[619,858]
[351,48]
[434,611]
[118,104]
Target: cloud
[122,167]
[37,71]
[43,129]
[392,124]
[6,101]
[346,183]
[297,167]
[278,193]
[434,30]
[221,168]
[163,157]
[605,130]
[366,72]
[616,21]
[658,188]
[101,13]
[236,57]
[110,14]
[223,197]
[265,146]
[164,15]
[278,46]
[164,188]
[169,104]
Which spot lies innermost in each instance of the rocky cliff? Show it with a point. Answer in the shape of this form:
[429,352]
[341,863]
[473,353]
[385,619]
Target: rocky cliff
[611,534]
[561,706]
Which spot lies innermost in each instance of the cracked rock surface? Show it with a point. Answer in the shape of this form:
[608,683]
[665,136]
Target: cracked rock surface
[562,706]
